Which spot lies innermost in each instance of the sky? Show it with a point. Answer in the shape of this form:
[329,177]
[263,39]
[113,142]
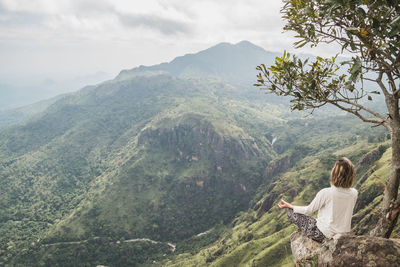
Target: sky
[67,38]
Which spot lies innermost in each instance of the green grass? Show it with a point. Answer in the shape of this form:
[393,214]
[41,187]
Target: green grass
[265,241]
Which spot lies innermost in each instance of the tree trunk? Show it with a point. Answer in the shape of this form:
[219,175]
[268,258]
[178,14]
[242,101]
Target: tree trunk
[391,204]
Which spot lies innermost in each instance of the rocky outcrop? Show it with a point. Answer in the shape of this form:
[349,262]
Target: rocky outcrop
[345,250]
[366,167]
[193,136]
[273,170]
[370,158]
[282,165]
[304,250]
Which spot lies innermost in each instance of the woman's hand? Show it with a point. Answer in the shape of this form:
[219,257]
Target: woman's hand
[283,204]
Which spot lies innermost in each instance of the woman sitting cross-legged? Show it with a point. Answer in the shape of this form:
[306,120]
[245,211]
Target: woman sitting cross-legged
[334,205]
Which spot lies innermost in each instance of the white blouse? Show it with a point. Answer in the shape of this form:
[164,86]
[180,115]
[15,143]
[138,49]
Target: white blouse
[335,208]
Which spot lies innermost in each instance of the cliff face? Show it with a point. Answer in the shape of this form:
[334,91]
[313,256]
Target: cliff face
[274,169]
[284,164]
[196,137]
[346,250]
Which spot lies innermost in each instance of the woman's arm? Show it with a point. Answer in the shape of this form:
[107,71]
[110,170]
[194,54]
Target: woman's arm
[315,205]
[283,204]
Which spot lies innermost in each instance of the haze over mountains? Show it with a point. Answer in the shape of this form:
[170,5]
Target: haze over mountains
[231,63]
[21,91]
[164,152]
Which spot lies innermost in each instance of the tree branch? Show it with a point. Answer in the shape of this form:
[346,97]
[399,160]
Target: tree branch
[364,119]
[376,114]
[368,79]
[381,85]
[391,81]
[397,93]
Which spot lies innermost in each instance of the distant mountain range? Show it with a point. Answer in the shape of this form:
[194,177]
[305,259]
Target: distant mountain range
[233,63]
[22,91]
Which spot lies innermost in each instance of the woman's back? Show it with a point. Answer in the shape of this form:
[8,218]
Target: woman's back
[334,217]
[335,205]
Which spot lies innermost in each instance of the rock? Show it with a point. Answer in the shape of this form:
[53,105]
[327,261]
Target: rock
[370,158]
[274,169]
[204,138]
[282,165]
[304,249]
[345,250]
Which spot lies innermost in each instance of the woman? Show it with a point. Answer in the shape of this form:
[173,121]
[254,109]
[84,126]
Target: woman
[334,204]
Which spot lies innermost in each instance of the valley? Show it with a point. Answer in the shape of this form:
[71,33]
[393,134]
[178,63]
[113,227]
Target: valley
[160,154]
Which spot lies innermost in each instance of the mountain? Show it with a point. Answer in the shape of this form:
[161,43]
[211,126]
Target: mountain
[15,115]
[20,91]
[114,173]
[145,157]
[233,63]
[261,236]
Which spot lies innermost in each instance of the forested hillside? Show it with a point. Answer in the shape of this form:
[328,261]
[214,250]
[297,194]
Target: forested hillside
[261,236]
[170,154]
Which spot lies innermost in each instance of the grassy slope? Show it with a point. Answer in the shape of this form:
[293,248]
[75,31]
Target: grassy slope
[264,241]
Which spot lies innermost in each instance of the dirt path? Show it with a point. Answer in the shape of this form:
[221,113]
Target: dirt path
[70,242]
[172,246]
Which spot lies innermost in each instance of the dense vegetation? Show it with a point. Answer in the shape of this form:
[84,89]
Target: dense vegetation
[261,236]
[166,158]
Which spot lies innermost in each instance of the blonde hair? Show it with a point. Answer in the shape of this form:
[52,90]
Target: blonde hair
[343,173]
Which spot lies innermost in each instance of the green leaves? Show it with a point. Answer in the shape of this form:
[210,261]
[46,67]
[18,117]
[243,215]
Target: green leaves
[355,70]
[308,83]
[370,27]
[301,43]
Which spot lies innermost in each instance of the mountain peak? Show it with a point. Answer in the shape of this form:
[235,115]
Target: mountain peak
[234,63]
[247,44]
[242,44]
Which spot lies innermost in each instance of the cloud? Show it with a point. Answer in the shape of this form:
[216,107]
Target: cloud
[92,8]
[165,26]
[84,36]
[19,18]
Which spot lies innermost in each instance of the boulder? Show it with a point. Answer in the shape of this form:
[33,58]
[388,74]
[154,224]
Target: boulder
[345,250]
[304,249]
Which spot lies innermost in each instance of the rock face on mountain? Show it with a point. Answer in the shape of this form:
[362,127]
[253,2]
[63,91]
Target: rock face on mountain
[370,158]
[274,169]
[346,250]
[197,137]
[282,165]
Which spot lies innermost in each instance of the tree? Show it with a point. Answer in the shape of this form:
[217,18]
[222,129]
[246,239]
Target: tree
[368,30]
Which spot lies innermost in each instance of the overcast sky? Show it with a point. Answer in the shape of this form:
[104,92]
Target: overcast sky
[44,38]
